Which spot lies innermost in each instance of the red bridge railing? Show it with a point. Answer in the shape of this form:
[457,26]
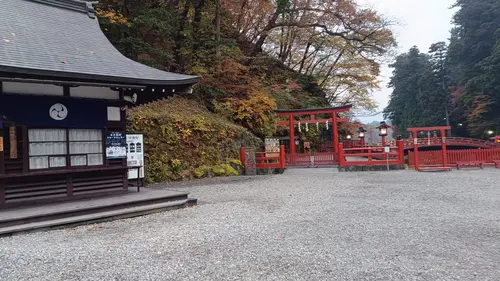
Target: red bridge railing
[434,157]
[457,141]
[371,156]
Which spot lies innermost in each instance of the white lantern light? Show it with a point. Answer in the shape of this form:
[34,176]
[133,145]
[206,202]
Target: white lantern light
[383,131]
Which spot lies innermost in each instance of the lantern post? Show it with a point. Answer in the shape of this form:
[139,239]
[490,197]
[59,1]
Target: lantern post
[383,131]
[361,135]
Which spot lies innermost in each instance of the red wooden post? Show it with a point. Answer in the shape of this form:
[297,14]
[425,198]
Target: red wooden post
[341,155]
[415,153]
[383,140]
[370,160]
[292,138]
[443,148]
[242,156]
[335,137]
[282,157]
[401,151]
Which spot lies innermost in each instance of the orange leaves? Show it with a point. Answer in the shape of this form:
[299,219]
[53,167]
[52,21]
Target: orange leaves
[480,106]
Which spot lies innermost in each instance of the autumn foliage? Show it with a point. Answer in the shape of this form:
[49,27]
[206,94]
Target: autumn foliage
[184,140]
[253,57]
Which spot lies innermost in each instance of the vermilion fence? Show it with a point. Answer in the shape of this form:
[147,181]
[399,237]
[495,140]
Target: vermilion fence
[267,159]
[371,156]
[312,159]
[434,157]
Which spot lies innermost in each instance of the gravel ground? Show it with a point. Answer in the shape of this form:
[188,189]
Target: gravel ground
[307,224]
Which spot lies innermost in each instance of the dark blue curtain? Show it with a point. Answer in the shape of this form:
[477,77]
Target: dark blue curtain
[53,112]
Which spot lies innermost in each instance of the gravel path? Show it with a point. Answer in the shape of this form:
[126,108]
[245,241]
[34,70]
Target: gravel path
[310,224]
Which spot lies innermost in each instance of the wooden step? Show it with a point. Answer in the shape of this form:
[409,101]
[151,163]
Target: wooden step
[95,217]
[50,212]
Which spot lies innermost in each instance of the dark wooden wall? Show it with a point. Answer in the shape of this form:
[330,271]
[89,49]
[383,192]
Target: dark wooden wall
[19,186]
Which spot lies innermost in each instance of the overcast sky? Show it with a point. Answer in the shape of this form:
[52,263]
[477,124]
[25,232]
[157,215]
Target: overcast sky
[420,23]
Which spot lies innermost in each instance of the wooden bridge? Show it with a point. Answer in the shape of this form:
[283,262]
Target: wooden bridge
[450,141]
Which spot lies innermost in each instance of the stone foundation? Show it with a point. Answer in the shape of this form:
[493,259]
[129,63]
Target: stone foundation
[370,168]
[270,171]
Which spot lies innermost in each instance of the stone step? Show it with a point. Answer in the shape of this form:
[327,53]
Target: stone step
[95,217]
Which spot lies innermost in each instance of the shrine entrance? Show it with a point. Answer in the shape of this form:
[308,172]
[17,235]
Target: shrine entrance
[300,151]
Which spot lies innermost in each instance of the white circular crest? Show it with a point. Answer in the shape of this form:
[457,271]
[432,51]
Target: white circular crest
[58,112]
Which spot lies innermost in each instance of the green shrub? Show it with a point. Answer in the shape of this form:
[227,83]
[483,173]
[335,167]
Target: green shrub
[183,139]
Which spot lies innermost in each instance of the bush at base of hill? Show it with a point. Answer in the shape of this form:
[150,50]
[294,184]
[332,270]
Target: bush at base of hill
[184,140]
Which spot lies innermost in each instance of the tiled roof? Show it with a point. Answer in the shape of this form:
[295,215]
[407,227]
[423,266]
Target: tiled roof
[62,39]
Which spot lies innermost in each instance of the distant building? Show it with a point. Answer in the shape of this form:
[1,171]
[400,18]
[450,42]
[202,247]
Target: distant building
[372,134]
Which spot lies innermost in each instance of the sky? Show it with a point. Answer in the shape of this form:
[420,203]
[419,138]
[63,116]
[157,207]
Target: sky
[419,23]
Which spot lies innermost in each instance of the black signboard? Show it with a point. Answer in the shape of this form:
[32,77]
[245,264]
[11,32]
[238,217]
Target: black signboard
[116,145]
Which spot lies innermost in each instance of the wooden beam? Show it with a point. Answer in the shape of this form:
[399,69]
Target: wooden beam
[286,123]
[438,128]
[316,111]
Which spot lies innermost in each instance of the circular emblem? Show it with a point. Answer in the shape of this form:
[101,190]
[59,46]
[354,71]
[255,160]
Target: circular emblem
[58,112]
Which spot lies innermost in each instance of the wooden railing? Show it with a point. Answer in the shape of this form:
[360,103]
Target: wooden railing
[371,156]
[456,141]
[434,157]
[267,159]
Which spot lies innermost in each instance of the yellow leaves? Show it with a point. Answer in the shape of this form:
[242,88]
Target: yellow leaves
[176,163]
[114,17]
[254,110]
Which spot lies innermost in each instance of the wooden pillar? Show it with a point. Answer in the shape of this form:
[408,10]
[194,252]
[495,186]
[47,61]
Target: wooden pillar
[282,157]
[383,140]
[401,151]
[335,134]
[415,153]
[2,145]
[2,192]
[242,156]
[341,155]
[443,148]
[292,137]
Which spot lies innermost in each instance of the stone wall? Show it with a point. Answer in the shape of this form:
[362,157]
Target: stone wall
[370,168]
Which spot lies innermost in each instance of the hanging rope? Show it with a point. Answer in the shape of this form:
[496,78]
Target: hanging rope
[300,130]
[326,124]
[317,126]
[307,128]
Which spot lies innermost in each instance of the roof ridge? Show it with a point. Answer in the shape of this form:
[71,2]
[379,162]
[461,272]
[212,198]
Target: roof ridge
[75,5]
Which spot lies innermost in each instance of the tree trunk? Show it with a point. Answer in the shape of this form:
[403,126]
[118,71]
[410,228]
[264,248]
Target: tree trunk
[304,57]
[217,28]
[196,25]
[265,32]
[179,38]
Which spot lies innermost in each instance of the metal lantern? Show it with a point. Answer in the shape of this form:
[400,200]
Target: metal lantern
[361,132]
[383,129]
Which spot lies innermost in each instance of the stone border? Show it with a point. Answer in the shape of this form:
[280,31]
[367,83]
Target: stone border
[370,168]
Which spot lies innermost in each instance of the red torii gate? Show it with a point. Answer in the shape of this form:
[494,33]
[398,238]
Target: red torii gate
[291,113]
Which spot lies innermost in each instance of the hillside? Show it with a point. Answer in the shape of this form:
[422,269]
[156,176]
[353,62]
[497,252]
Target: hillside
[252,56]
